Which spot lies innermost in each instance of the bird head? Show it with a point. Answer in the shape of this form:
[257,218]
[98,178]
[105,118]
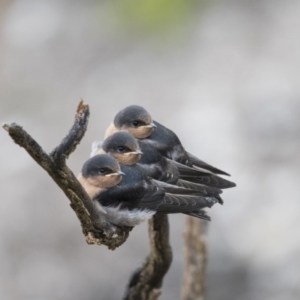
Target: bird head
[102,171]
[124,147]
[136,120]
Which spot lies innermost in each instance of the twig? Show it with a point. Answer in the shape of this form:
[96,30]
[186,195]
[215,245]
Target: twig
[95,230]
[193,287]
[146,281]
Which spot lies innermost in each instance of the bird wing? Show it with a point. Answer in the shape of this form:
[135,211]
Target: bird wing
[201,164]
[205,190]
[184,203]
[138,195]
[181,190]
[185,170]
[169,172]
[202,176]
[210,180]
[152,198]
[201,214]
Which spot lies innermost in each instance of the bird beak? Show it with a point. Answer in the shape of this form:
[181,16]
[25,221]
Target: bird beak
[138,152]
[118,173]
[151,125]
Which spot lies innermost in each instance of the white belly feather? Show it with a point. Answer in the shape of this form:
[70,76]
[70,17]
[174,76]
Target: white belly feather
[125,217]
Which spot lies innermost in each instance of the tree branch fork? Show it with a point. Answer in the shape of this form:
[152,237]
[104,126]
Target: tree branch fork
[96,231]
[146,281]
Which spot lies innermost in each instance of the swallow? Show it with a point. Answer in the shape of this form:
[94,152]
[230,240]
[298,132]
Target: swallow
[137,121]
[126,197]
[129,151]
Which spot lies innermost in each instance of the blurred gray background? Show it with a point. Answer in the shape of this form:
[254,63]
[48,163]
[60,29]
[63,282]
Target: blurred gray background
[224,75]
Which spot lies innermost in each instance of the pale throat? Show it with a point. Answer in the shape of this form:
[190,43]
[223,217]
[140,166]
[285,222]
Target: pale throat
[95,185]
[127,158]
[141,132]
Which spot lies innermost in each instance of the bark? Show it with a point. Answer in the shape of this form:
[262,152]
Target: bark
[146,281]
[95,230]
[195,260]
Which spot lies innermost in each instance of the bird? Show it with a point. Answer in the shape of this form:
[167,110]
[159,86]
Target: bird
[134,119]
[137,121]
[129,151]
[126,197]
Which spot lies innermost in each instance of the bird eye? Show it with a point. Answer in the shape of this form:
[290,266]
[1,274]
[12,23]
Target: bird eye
[121,148]
[101,170]
[135,123]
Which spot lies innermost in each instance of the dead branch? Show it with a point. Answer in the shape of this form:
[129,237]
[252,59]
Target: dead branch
[95,230]
[193,287]
[146,281]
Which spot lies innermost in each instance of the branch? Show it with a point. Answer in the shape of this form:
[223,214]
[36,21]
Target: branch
[146,281]
[193,287]
[95,230]
[76,133]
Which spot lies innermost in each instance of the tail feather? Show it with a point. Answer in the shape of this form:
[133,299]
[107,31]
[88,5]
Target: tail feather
[204,189]
[199,163]
[187,188]
[184,204]
[210,180]
[201,214]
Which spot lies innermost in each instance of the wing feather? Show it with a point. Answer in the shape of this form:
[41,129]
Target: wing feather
[199,163]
